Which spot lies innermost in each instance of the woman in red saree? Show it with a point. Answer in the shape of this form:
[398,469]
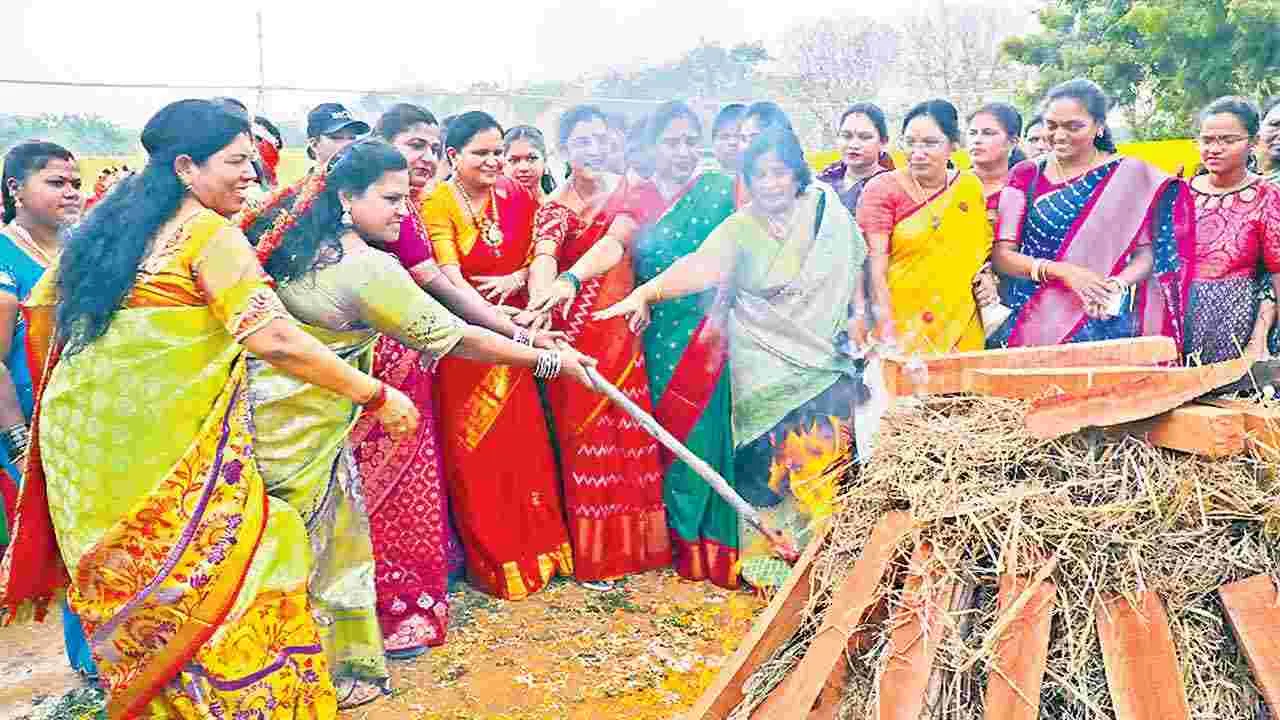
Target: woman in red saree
[1091,246]
[499,462]
[612,470]
[416,549]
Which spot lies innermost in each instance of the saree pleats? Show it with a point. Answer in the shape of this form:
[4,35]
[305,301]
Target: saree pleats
[195,596]
[301,437]
[501,467]
[414,544]
[686,362]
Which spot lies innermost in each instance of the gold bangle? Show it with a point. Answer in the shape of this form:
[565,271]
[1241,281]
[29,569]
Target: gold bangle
[553,256]
[657,289]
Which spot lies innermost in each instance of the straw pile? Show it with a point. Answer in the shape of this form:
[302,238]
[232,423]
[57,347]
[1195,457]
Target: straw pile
[1116,513]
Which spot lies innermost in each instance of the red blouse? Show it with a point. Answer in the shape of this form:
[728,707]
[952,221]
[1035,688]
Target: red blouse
[1237,232]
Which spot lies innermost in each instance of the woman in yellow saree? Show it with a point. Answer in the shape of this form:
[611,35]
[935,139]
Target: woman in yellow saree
[929,238]
[144,500]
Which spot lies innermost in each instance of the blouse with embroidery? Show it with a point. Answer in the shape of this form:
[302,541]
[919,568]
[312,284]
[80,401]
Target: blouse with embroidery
[1237,233]
[369,289]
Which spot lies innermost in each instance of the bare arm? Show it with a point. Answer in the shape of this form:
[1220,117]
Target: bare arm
[286,347]
[878,278]
[10,408]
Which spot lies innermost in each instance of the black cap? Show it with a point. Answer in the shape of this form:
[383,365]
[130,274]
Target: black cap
[329,118]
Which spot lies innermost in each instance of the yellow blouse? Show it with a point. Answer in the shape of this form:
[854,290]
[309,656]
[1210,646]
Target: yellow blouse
[449,225]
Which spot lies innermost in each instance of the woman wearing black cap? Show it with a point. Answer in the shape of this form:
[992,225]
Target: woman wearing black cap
[331,127]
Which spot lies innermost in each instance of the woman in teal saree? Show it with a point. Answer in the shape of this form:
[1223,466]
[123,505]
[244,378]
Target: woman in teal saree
[685,352]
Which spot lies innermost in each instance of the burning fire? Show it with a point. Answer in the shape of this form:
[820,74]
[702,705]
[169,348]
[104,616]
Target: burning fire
[801,461]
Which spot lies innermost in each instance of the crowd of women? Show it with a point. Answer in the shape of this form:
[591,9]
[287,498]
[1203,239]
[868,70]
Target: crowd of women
[252,437]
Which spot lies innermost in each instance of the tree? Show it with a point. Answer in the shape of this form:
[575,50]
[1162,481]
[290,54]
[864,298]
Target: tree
[1160,60]
[81,134]
[954,50]
[707,71]
[833,62]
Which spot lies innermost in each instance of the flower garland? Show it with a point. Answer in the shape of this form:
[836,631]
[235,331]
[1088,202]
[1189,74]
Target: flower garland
[271,240]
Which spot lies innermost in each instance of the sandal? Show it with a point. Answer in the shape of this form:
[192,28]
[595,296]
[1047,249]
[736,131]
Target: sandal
[408,653]
[597,585]
[353,693]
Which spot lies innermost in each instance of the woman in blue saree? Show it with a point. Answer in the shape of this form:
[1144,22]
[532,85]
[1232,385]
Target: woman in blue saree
[42,196]
[1091,246]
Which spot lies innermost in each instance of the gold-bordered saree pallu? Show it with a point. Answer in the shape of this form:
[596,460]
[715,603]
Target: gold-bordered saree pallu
[301,434]
[189,577]
[612,470]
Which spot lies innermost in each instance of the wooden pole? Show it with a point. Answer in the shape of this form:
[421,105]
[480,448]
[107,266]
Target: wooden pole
[781,544]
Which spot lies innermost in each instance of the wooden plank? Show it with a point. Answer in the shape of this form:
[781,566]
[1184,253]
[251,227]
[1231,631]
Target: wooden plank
[794,698]
[1129,402]
[1030,383]
[1261,425]
[773,628]
[1141,664]
[1197,429]
[1013,686]
[946,372]
[918,632]
[1254,613]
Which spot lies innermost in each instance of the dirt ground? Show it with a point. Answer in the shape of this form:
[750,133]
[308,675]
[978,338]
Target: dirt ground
[643,651]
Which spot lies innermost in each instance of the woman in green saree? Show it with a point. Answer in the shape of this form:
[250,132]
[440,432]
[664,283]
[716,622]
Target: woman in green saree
[143,496]
[791,260]
[685,352]
[346,292]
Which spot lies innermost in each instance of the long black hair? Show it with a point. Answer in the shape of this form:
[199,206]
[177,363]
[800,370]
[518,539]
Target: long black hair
[870,111]
[20,162]
[1095,102]
[102,255]
[319,226]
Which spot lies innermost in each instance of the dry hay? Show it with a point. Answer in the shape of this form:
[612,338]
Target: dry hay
[1117,515]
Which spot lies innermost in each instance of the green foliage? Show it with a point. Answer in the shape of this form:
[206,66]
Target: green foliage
[707,71]
[81,134]
[1162,60]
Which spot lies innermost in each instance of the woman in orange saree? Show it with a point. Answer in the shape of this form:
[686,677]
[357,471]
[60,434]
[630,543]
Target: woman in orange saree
[612,470]
[508,513]
[188,571]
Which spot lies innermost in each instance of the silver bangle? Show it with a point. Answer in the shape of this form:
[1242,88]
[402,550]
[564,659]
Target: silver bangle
[548,365]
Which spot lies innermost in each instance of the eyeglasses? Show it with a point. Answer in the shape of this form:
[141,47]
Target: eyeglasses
[1220,140]
[928,144]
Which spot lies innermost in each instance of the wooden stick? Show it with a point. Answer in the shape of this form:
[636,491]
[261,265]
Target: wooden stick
[794,698]
[1141,663]
[783,546]
[1197,429]
[946,372]
[773,628]
[1032,383]
[1013,686]
[918,631]
[1254,612]
[1129,402]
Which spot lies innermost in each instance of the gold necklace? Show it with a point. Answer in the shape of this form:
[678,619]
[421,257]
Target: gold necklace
[935,220]
[30,246]
[1062,173]
[490,233]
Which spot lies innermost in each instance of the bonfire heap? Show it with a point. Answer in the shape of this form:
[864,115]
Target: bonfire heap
[1067,532]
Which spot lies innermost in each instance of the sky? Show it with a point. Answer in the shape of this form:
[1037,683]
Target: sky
[309,43]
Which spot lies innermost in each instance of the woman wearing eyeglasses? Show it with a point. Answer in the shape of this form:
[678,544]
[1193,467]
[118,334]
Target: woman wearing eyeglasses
[928,234]
[1237,239]
[1091,246]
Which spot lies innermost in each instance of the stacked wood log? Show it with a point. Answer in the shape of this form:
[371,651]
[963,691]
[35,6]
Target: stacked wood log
[1124,389]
